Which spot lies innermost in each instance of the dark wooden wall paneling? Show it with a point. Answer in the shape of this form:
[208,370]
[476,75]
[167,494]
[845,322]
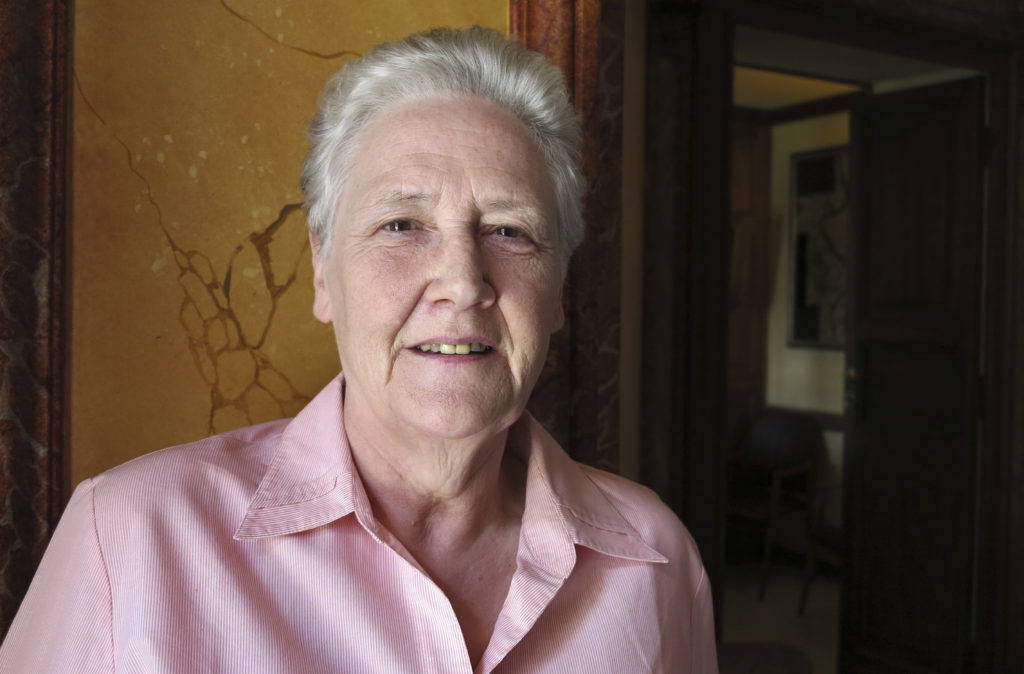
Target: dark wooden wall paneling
[752,275]
[1011,408]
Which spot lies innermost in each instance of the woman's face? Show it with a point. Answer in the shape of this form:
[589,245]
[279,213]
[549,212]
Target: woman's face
[443,280]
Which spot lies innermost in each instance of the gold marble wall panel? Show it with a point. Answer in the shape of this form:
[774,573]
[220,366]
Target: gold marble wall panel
[191,284]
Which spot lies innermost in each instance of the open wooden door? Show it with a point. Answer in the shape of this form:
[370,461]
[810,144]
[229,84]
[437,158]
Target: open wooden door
[912,380]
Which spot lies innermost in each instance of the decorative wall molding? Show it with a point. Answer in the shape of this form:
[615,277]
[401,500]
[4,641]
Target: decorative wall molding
[577,397]
[34,61]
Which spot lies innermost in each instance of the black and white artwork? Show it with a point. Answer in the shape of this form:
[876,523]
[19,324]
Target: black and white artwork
[818,212]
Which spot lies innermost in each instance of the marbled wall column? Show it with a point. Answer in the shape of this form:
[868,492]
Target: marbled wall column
[33,141]
[577,397]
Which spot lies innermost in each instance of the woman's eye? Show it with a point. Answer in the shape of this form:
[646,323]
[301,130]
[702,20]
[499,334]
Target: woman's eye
[511,232]
[399,226]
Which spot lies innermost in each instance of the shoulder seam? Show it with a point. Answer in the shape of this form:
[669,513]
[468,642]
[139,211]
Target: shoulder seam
[106,569]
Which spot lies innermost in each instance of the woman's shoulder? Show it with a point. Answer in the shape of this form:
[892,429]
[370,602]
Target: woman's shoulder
[644,510]
[232,450]
[221,468]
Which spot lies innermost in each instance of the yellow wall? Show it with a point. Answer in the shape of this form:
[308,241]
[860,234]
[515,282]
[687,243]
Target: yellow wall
[191,286]
[810,379]
[801,378]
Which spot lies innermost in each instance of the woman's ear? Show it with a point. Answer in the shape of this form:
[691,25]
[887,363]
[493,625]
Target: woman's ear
[321,300]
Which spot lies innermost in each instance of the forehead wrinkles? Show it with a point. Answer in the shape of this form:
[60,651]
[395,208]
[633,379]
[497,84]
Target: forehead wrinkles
[488,188]
[419,152]
[463,129]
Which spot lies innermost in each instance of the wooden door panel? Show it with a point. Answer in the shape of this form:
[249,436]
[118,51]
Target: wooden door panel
[912,359]
[892,635]
[916,388]
[915,207]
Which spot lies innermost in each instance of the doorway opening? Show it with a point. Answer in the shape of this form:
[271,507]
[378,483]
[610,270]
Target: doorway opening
[788,306]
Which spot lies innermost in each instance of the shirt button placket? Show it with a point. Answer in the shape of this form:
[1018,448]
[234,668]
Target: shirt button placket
[442,649]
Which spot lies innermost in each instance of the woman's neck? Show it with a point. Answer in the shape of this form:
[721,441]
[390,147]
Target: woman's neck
[455,506]
[435,491]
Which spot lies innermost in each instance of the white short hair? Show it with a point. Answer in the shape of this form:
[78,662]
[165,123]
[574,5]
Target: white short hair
[443,62]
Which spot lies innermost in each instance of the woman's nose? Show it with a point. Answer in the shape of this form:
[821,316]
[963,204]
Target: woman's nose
[460,275]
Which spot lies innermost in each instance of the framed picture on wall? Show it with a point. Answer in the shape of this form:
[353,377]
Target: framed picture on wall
[819,190]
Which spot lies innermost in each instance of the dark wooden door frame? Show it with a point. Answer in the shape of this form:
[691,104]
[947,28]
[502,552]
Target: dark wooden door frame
[685,269]
[684,337]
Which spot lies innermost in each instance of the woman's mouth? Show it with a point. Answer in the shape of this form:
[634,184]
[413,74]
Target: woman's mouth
[454,349]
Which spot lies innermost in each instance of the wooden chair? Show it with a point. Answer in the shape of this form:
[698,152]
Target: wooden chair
[770,476]
[824,543]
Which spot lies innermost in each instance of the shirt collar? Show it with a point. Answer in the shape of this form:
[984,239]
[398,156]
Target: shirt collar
[565,508]
[312,481]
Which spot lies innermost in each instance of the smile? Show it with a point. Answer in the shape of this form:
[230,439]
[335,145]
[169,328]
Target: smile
[454,349]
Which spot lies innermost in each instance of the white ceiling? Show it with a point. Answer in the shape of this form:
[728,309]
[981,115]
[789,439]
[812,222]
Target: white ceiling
[800,55]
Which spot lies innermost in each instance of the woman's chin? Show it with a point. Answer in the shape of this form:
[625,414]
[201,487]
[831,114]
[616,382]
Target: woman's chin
[458,417]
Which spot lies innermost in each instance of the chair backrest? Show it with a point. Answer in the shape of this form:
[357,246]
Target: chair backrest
[780,439]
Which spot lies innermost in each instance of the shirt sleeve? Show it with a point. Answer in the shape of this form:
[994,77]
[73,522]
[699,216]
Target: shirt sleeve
[65,622]
[704,655]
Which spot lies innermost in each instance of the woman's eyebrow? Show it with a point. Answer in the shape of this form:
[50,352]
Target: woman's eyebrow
[507,205]
[523,208]
[390,199]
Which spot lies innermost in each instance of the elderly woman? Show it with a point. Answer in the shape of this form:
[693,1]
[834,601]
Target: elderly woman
[413,517]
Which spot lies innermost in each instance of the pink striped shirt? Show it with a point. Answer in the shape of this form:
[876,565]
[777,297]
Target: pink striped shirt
[257,551]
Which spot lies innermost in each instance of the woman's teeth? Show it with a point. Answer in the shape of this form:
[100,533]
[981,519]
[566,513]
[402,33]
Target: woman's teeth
[454,349]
